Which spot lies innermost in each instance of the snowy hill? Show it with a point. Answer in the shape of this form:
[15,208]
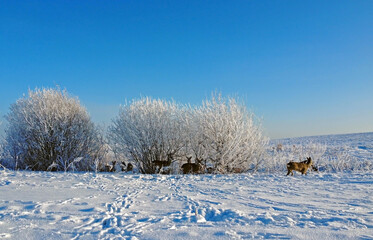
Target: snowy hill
[332,153]
[320,205]
[358,144]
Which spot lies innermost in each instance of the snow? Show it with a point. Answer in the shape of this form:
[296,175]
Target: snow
[44,205]
[359,145]
[58,205]
[344,152]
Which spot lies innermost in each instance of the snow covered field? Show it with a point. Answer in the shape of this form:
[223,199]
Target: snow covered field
[359,145]
[324,205]
[40,205]
[330,153]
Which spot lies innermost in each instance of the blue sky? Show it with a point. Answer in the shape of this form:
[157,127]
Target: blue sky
[304,67]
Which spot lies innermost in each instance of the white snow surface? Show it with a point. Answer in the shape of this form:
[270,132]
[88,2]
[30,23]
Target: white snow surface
[44,205]
[320,205]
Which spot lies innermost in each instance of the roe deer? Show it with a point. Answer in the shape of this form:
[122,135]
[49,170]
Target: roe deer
[109,168]
[123,166]
[313,167]
[237,170]
[279,147]
[126,167]
[129,167]
[113,166]
[299,166]
[160,164]
[191,167]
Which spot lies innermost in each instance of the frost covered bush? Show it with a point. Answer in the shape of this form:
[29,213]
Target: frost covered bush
[149,131]
[49,129]
[220,135]
[325,158]
[338,159]
[226,137]
[277,158]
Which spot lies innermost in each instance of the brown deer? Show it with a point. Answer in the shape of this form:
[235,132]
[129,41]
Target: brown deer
[279,147]
[313,167]
[299,166]
[191,167]
[237,170]
[109,168]
[123,166]
[113,166]
[160,164]
[126,167]
[129,167]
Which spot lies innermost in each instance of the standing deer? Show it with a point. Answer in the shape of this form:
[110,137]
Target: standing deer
[109,168]
[123,166]
[313,167]
[126,167]
[129,167]
[191,167]
[160,164]
[113,167]
[299,166]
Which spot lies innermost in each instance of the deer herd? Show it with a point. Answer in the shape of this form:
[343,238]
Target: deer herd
[114,167]
[197,167]
[192,167]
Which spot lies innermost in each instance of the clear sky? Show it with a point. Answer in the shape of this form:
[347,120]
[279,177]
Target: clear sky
[304,67]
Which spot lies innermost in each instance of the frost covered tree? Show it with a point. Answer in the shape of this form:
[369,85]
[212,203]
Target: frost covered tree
[226,136]
[220,134]
[48,128]
[150,132]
